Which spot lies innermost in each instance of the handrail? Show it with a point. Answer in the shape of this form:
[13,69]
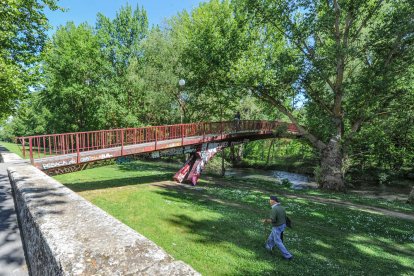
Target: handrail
[76,142]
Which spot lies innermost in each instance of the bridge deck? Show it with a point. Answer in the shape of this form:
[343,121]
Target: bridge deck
[52,162]
[48,152]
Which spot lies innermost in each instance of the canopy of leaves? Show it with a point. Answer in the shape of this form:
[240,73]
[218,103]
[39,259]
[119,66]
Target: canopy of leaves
[22,36]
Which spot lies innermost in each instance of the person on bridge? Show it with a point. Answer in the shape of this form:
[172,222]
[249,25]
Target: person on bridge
[278,221]
[237,121]
[237,116]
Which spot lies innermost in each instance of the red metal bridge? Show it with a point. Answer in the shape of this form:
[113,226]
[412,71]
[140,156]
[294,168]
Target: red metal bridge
[68,152]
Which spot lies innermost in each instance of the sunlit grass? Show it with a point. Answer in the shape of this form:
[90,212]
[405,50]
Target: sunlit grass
[394,205]
[215,226]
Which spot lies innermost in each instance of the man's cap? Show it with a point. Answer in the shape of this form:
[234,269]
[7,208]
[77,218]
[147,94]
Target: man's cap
[273,197]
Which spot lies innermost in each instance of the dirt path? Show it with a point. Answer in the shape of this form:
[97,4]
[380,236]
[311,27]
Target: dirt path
[347,204]
[359,207]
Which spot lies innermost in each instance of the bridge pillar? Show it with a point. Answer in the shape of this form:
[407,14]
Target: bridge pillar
[191,171]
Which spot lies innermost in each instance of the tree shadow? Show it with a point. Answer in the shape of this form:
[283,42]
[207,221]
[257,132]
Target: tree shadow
[320,242]
[12,253]
[164,171]
[149,165]
[117,182]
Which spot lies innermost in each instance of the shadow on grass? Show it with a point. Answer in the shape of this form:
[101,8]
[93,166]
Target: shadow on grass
[319,247]
[144,175]
[117,182]
[149,166]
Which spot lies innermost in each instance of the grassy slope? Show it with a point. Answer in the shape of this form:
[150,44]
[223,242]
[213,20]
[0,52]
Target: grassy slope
[216,229]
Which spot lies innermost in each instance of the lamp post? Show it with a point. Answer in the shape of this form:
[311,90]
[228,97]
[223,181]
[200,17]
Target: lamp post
[181,83]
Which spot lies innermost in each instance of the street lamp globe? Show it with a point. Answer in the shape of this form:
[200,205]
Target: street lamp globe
[181,82]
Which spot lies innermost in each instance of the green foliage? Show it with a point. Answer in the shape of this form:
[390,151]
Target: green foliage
[120,43]
[75,80]
[22,36]
[153,80]
[347,61]
[286,183]
[342,70]
[120,38]
[210,37]
[387,143]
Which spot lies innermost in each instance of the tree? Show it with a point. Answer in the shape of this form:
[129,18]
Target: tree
[31,118]
[152,80]
[22,36]
[76,73]
[120,42]
[211,39]
[350,60]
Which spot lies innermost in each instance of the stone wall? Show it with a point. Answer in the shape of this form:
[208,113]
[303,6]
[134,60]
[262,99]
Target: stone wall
[8,157]
[66,235]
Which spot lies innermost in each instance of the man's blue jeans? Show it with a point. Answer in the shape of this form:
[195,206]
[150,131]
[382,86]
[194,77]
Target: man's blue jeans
[274,239]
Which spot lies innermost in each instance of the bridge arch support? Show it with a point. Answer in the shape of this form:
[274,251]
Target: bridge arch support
[195,164]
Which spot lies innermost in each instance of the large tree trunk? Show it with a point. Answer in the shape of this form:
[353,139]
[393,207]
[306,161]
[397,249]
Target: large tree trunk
[331,177]
[410,199]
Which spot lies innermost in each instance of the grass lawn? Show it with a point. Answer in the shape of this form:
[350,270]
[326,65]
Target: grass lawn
[215,227]
[265,185]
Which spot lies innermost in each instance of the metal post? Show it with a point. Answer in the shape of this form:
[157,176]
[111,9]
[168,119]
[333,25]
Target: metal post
[62,144]
[103,139]
[182,135]
[156,138]
[77,149]
[31,150]
[23,145]
[122,142]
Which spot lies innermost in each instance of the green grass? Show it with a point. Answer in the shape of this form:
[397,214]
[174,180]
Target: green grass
[392,205]
[215,227]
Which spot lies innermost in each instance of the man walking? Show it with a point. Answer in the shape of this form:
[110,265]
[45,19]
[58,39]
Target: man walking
[278,220]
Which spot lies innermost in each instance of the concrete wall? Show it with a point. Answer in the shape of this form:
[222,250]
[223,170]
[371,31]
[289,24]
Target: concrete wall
[66,235]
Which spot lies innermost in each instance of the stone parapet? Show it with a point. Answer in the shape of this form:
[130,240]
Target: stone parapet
[66,235]
[8,157]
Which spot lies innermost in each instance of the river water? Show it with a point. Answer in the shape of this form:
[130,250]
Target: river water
[298,181]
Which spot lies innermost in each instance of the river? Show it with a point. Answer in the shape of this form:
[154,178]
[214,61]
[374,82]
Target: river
[298,181]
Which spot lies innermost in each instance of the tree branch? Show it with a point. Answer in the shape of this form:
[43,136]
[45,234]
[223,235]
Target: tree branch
[308,52]
[313,139]
[314,96]
[366,19]
[337,19]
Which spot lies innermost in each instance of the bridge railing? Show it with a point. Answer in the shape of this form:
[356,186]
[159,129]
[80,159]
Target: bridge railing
[40,146]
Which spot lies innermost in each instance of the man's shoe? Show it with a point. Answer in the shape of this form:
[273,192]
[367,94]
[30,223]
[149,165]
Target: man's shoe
[288,259]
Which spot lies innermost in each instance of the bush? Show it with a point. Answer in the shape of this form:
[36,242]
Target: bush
[286,183]
[383,178]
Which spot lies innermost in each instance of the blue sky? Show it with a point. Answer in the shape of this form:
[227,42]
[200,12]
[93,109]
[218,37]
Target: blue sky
[85,10]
